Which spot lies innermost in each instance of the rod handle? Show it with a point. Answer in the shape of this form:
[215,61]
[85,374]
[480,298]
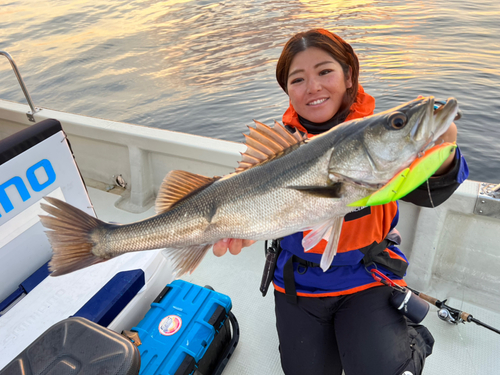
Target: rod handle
[429,299]
[465,316]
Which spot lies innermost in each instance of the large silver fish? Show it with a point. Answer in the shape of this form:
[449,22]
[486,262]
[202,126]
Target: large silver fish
[284,184]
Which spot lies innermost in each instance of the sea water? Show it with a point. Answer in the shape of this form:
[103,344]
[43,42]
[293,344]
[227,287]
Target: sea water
[208,67]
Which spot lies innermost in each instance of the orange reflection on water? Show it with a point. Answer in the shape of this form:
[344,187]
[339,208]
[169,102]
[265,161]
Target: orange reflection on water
[385,35]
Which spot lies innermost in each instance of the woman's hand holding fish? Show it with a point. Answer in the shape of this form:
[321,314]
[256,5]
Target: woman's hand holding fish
[233,244]
[450,136]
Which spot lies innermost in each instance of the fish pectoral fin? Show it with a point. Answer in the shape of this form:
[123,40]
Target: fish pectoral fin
[331,191]
[178,185]
[186,259]
[330,231]
[265,143]
[319,232]
[333,243]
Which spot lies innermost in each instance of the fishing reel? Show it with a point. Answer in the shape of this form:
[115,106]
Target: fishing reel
[445,312]
[451,315]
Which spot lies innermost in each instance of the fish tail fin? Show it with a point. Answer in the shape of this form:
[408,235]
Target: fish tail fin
[186,259]
[70,236]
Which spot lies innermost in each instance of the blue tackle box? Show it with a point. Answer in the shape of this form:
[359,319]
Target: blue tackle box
[187,331]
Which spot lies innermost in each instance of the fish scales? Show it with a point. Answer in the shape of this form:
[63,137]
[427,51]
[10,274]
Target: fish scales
[262,193]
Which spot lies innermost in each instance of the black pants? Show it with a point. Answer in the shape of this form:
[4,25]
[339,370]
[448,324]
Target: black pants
[361,334]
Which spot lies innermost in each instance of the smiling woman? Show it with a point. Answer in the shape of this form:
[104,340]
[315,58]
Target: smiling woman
[320,78]
[319,71]
[317,86]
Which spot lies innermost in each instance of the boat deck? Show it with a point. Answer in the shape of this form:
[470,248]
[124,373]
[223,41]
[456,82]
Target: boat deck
[463,349]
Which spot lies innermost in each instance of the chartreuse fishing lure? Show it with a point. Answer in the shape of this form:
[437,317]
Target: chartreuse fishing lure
[410,178]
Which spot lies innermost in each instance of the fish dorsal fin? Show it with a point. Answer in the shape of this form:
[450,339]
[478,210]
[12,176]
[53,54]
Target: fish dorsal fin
[178,185]
[265,143]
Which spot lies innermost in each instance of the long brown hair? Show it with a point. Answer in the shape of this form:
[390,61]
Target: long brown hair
[329,42]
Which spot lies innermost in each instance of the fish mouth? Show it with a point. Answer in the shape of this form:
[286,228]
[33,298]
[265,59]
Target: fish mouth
[439,104]
[435,121]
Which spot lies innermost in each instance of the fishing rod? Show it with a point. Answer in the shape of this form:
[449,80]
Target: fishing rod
[450,314]
[416,309]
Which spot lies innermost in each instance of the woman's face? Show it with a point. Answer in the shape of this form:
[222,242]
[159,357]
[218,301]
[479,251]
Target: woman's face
[316,85]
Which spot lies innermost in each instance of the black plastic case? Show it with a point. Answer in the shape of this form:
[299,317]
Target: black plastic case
[77,346]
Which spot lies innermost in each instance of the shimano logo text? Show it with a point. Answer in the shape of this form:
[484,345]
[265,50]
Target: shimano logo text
[37,181]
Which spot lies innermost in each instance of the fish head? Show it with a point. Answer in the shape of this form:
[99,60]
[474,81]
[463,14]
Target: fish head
[372,150]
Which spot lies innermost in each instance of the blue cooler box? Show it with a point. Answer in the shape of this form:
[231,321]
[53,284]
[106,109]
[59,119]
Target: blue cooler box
[187,330]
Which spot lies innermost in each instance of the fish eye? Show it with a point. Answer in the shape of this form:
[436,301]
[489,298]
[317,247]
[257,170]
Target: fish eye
[397,120]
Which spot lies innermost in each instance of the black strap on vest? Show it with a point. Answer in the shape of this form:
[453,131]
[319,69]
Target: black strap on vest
[374,253]
[289,276]
[289,279]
